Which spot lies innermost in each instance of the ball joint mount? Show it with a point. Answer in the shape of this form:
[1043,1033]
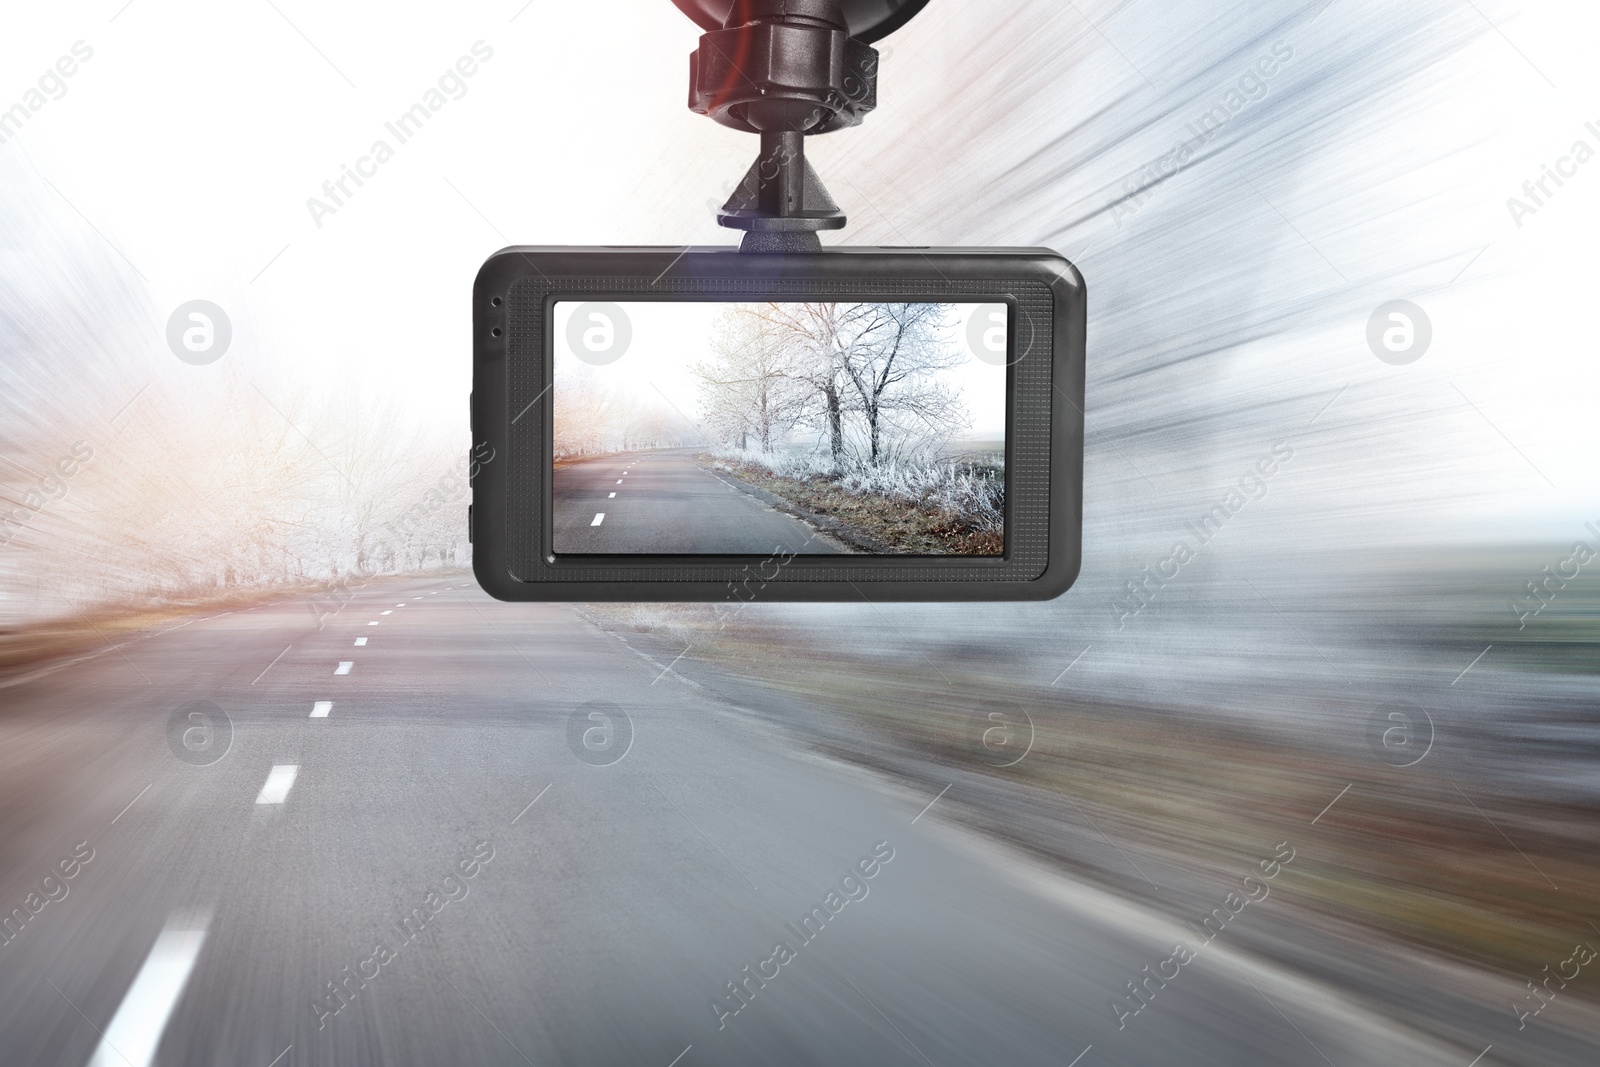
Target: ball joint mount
[786,69]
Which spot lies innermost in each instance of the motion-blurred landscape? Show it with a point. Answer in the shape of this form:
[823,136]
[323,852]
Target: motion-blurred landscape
[1384,656]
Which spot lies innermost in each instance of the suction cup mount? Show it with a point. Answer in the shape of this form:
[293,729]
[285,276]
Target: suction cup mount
[786,69]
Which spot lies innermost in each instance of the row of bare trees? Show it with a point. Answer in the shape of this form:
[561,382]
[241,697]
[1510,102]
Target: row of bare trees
[129,478]
[593,418]
[863,374]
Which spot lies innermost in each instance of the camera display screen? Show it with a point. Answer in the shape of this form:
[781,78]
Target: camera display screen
[791,428]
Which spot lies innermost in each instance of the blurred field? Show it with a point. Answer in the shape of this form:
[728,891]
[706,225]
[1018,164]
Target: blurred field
[1437,876]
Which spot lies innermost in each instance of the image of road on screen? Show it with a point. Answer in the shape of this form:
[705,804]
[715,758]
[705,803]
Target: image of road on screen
[827,428]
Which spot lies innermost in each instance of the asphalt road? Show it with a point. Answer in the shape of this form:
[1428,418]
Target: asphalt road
[662,501]
[585,913]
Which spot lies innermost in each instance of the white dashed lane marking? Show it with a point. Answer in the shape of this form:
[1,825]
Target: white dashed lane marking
[279,781]
[389,612]
[135,1030]
[344,666]
[619,481]
[360,641]
[598,519]
[374,623]
[320,709]
[609,495]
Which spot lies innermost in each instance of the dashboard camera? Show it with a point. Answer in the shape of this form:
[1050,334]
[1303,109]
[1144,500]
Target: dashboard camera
[779,421]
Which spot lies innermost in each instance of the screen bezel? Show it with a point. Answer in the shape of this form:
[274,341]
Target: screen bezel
[513,313]
[555,559]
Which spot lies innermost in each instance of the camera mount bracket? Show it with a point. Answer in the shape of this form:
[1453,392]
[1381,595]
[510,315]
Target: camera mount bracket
[786,69]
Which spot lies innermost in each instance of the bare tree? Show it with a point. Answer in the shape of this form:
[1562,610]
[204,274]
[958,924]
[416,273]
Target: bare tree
[593,415]
[816,338]
[891,363]
[875,360]
[750,387]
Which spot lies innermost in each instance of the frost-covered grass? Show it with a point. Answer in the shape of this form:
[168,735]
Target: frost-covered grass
[970,493]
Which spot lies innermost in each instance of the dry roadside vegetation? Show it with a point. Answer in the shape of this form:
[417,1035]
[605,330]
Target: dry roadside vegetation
[946,511]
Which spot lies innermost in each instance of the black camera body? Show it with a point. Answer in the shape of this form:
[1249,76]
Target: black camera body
[705,424]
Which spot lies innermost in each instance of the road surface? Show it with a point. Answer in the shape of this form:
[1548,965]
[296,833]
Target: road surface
[662,501]
[409,775]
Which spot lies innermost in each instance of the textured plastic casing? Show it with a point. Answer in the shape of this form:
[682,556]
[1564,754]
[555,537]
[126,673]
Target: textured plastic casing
[513,301]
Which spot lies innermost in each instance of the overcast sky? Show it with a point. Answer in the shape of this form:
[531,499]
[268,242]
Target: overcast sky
[669,338]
